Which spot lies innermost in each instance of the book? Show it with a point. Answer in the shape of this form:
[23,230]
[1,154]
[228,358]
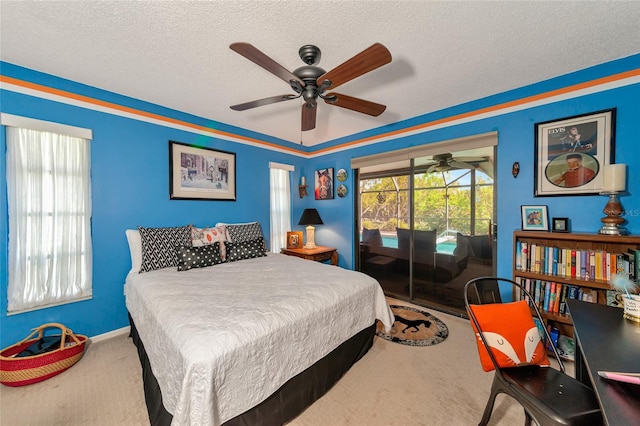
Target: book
[540,326]
[547,290]
[635,271]
[592,265]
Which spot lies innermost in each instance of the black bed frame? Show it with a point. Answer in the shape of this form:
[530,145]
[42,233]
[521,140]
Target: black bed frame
[284,404]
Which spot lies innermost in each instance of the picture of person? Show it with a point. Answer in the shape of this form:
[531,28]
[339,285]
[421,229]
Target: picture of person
[571,141]
[576,173]
[324,184]
[578,138]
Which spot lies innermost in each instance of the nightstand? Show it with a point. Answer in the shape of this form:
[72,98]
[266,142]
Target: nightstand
[319,254]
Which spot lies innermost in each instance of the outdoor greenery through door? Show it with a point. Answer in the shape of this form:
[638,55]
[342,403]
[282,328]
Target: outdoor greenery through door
[423,232]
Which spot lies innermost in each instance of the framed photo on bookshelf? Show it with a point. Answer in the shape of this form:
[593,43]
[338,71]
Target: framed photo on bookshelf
[560,224]
[535,218]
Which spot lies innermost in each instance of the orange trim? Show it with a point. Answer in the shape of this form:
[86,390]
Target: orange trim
[93,101]
[505,105]
[493,108]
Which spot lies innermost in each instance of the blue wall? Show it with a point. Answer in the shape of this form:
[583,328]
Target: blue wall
[130,187]
[130,178]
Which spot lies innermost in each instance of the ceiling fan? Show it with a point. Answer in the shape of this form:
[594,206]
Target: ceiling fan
[312,82]
[445,162]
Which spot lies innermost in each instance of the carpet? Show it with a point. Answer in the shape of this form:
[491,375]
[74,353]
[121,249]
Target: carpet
[413,327]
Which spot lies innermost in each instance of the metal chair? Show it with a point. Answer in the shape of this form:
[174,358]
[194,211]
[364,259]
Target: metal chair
[548,396]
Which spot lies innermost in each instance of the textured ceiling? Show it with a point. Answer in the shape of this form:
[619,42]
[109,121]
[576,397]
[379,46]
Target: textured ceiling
[176,54]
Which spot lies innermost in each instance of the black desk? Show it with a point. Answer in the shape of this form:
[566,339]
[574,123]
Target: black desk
[605,341]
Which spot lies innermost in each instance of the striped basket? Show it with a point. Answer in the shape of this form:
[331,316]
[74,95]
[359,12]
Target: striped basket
[20,371]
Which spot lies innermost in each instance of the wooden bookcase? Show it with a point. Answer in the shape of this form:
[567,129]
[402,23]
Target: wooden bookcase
[577,242]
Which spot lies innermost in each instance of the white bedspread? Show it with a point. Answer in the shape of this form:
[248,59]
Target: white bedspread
[222,339]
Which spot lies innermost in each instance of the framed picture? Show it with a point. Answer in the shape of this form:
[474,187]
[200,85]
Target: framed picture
[294,239]
[324,184]
[535,218]
[571,153]
[560,224]
[197,173]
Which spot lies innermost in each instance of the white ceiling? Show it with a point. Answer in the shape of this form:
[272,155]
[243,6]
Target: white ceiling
[176,53]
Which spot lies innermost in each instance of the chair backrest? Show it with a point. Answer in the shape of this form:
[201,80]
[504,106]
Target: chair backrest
[424,241]
[486,290]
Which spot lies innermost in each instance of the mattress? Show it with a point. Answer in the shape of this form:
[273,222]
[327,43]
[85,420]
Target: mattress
[222,339]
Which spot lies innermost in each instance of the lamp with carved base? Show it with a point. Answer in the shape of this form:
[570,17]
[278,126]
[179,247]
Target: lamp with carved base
[310,217]
[615,182]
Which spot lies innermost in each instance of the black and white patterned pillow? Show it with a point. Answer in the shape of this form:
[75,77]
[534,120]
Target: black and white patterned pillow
[159,246]
[198,257]
[245,249]
[244,232]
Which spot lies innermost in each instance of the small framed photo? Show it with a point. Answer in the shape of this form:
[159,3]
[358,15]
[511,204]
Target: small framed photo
[324,184]
[535,218]
[560,224]
[294,239]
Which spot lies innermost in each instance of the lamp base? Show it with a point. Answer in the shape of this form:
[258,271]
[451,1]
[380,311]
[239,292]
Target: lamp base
[613,222]
[311,238]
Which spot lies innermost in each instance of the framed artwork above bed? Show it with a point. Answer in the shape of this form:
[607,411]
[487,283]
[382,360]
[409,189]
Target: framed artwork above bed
[198,173]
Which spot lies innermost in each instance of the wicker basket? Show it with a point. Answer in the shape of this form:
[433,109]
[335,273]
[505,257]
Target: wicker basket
[20,371]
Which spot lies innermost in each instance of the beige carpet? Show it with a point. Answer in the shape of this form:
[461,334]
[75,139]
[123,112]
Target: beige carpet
[392,385]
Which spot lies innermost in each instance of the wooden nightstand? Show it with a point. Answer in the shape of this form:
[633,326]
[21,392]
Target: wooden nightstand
[319,254]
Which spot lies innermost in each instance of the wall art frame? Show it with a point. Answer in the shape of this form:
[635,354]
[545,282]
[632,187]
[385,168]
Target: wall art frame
[535,218]
[571,153]
[324,179]
[199,173]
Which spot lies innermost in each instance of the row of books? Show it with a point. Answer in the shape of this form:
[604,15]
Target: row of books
[551,296]
[580,264]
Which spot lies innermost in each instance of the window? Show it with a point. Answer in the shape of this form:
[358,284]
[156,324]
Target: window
[280,202]
[49,199]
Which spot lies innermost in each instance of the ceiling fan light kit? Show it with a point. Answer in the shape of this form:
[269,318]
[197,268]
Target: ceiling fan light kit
[310,81]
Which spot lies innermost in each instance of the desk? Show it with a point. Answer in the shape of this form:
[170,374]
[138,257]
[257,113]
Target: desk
[605,341]
[319,254]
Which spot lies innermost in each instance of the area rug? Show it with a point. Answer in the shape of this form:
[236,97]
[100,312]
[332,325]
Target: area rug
[413,327]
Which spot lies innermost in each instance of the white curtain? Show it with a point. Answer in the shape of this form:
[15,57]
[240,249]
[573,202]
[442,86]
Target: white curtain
[49,197]
[280,190]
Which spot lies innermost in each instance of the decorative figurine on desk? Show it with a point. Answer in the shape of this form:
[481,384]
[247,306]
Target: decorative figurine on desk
[631,301]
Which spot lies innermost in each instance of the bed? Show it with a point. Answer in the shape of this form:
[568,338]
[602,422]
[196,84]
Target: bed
[251,341]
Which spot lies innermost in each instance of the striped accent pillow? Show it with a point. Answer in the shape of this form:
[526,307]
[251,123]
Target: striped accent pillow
[159,246]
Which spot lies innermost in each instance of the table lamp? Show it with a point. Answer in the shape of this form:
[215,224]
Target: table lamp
[615,182]
[310,217]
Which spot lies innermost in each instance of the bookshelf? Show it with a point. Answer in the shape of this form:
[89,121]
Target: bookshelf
[554,266]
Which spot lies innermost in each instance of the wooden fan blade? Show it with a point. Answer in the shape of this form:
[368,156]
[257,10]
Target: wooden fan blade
[355,104]
[254,55]
[365,61]
[309,117]
[262,102]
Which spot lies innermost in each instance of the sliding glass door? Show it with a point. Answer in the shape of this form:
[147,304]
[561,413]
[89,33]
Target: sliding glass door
[426,228]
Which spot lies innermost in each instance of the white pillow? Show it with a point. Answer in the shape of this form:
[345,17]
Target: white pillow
[135,248]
